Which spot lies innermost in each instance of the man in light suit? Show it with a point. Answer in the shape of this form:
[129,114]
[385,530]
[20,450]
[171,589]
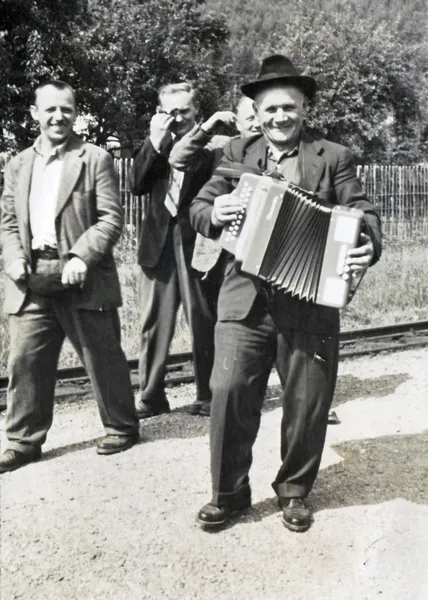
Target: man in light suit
[61,217]
[256,324]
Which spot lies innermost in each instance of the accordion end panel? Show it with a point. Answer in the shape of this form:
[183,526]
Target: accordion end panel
[343,234]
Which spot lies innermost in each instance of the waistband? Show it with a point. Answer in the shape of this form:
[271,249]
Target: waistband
[47,253]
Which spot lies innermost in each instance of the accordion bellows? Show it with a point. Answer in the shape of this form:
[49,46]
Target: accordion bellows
[290,239]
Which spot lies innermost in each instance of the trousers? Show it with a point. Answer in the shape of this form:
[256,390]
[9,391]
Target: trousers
[244,355]
[37,334]
[161,291]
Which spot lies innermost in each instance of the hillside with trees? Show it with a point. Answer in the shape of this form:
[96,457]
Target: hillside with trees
[370,61]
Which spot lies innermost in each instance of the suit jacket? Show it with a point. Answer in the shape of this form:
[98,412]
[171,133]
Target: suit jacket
[327,169]
[89,221]
[193,150]
[150,175]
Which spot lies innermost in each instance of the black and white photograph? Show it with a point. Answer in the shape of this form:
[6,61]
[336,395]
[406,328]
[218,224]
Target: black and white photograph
[213,300]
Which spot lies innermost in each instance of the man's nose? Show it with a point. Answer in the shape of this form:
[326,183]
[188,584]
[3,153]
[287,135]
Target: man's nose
[280,115]
[58,114]
[178,118]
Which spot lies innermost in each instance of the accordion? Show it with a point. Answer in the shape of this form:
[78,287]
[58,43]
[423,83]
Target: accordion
[292,240]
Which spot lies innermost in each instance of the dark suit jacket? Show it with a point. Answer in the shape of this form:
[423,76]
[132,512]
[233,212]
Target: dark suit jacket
[150,175]
[89,221]
[328,170]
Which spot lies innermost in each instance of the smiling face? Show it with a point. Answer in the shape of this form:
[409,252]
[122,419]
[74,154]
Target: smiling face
[246,120]
[281,110]
[181,106]
[55,111]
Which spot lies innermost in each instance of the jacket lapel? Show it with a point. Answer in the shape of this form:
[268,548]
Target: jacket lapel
[23,198]
[311,163]
[71,169]
[256,154]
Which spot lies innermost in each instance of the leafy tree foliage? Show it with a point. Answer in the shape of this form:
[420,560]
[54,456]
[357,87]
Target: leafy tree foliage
[32,48]
[126,49]
[115,53]
[370,60]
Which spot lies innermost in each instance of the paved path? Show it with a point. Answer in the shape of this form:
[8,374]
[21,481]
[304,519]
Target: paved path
[80,526]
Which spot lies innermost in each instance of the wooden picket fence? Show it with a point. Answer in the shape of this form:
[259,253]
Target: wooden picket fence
[400,194]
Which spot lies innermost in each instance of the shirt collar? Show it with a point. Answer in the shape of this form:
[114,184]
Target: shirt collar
[57,152]
[278,155]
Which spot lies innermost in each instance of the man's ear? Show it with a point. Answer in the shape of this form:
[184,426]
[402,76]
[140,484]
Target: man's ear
[255,109]
[34,112]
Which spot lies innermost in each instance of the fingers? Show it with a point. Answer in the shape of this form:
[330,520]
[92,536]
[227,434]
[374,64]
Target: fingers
[74,272]
[18,270]
[227,207]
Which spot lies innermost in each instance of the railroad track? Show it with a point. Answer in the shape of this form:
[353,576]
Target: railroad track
[359,342]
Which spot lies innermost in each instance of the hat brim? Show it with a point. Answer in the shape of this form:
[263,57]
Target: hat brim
[307,84]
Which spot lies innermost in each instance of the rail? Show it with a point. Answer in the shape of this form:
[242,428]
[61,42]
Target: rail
[354,343]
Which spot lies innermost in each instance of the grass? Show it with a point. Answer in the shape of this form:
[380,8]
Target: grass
[393,291]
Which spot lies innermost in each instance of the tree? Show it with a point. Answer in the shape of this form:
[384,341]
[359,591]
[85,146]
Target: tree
[125,50]
[115,53]
[33,47]
[370,60]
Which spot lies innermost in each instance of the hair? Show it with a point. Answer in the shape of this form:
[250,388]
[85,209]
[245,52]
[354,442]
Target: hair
[241,100]
[175,88]
[57,84]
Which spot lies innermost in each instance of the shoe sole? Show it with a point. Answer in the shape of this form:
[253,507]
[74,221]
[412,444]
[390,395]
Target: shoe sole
[154,414]
[215,525]
[295,528]
[107,451]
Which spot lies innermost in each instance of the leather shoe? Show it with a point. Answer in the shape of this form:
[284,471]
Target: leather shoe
[145,410]
[11,460]
[200,407]
[212,516]
[296,514]
[205,409]
[112,444]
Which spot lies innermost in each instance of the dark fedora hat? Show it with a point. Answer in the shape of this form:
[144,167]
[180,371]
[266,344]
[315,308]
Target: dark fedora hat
[277,68]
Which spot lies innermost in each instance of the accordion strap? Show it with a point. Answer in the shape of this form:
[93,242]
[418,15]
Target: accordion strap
[235,170]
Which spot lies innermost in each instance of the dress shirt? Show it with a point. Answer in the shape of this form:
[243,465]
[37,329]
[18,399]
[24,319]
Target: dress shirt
[45,182]
[285,163]
[172,198]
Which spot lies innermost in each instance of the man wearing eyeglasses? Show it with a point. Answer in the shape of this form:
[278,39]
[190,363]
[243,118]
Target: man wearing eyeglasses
[165,252]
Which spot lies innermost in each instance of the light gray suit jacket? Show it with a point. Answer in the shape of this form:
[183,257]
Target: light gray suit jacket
[89,221]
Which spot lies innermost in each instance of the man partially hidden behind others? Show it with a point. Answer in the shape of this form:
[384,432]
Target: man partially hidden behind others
[61,217]
[257,324]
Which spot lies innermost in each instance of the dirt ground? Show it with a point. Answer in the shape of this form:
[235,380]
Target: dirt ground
[78,526]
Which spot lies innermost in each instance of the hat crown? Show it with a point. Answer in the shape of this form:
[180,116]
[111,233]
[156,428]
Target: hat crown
[278,65]
[279,68]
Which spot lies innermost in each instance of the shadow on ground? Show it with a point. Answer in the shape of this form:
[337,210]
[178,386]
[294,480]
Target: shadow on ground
[372,471]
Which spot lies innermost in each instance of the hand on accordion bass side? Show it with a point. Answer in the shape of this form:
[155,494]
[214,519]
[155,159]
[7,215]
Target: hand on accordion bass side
[359,259]
[225,209]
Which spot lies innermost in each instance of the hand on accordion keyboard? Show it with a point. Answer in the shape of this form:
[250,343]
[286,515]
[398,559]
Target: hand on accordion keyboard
[226,209]
[359,259]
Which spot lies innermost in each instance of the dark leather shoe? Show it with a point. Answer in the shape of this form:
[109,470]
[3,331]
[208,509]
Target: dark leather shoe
[195,407]
[145,410]
[200,407]
[11,460]
[205,409]
[112,444]
[296,515]
[333,419]
[212,516]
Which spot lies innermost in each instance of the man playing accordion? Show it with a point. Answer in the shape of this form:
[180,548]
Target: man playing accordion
[258,324]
